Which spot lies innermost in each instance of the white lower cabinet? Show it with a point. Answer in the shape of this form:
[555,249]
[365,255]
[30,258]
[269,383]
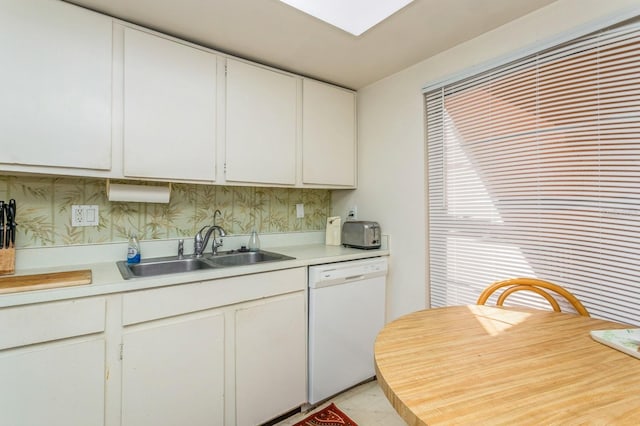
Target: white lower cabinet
[270,358]
[230,351]
[52,364]
[56,384]
[173,372]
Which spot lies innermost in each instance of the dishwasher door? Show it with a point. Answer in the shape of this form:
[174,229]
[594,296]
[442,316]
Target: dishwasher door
[346,313]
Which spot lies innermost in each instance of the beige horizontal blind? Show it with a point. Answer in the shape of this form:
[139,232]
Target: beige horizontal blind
[534,170]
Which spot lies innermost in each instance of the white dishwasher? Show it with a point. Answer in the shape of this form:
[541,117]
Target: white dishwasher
[346,313]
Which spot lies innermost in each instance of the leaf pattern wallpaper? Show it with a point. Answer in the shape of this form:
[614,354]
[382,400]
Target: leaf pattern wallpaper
[44,211]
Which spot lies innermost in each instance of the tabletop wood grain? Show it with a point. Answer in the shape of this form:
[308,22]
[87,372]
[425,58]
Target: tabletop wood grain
[482,365]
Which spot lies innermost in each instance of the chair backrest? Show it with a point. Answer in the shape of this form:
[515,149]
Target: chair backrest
[536,286]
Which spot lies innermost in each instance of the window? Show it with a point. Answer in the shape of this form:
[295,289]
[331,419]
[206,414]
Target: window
[534,170]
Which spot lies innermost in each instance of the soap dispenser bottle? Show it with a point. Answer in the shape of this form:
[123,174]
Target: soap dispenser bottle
[133,250]
[254,241]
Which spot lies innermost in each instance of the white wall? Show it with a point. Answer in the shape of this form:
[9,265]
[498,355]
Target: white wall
[391,157]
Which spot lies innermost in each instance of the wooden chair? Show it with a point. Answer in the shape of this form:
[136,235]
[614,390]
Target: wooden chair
[536,286]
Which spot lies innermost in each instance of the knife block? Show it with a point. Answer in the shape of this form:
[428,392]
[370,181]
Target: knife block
[7,260]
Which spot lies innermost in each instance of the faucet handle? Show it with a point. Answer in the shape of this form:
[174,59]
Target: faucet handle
[198,243]
[214,246]
[180,248]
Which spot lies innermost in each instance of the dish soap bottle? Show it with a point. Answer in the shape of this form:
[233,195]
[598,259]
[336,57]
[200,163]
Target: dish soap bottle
[133,251]
[254,241]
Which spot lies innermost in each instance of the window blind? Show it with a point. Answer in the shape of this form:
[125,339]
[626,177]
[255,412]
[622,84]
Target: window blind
[534,171]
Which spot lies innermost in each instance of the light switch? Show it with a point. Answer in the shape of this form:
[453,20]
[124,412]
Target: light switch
[299,211]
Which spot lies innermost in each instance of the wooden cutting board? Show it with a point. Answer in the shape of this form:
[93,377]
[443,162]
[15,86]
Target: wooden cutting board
[44,281]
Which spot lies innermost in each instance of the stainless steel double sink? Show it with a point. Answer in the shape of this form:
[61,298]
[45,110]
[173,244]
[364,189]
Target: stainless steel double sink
[172,264]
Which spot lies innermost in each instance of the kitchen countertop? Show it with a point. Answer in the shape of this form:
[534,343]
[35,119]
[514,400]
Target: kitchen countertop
[107,278]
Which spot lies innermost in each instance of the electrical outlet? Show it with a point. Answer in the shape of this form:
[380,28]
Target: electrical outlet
[299,211]
[352,213]
[84,215]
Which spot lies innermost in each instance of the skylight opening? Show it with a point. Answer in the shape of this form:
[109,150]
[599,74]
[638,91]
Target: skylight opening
[352,16]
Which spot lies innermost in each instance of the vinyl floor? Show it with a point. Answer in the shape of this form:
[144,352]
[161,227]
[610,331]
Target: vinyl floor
[365,404]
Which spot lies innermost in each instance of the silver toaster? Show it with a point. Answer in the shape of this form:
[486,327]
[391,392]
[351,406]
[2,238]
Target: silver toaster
[362,234]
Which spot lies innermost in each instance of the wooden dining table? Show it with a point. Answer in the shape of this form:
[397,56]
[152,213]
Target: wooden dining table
[483,365]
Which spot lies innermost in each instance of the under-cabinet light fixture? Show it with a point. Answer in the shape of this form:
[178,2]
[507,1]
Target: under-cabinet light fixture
[352,16]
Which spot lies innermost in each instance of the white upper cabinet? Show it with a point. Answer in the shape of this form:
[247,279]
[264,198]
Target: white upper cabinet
[261,125]
[169,109]
[328,135]
[55,80]
[83,95]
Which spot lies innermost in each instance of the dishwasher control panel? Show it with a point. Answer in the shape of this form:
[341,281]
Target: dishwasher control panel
[341,272]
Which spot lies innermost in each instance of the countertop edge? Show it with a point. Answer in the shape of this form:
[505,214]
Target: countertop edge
[107,279]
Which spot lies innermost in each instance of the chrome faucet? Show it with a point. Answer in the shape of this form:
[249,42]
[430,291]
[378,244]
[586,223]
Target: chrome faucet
[200,242]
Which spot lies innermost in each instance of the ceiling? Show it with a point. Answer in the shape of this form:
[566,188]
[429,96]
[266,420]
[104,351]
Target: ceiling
[273,33]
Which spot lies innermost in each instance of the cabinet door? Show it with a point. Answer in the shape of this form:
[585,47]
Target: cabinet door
[169,109]
[56,384]
[328,135]
[55,80]
[270,359]
[173,372]
[261,125]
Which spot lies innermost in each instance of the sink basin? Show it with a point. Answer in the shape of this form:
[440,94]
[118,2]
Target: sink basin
[172,265]
[161,266]
[245,258]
